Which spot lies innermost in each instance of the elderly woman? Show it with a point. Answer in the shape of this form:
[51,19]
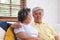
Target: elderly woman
[26,31]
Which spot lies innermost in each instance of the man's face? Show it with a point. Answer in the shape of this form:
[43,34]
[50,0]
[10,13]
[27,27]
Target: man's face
[38,16]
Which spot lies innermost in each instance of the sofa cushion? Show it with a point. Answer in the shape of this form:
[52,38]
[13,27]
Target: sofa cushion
[4,25]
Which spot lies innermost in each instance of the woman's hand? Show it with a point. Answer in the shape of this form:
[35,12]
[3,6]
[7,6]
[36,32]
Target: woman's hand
[16,25]
[39,38]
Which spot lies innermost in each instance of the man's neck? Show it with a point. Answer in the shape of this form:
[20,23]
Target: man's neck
[38,22]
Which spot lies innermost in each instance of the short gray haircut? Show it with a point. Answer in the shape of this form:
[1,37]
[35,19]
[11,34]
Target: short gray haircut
[36,8]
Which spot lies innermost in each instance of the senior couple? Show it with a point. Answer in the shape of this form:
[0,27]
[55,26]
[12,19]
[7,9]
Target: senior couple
[37,30]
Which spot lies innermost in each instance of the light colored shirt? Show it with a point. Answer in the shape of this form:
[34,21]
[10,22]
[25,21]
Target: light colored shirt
[28,29]
[46,32]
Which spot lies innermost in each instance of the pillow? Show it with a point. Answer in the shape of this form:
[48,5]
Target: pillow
[10,34]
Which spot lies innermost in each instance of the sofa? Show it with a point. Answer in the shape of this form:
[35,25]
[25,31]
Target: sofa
[3,29]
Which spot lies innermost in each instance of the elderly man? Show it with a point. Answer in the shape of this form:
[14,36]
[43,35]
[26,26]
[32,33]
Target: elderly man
[46,32]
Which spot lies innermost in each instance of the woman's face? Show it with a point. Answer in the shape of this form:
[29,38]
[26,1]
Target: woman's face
[28,19]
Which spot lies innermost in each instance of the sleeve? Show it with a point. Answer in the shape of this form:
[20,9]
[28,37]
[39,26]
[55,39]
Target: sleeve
[53,32]
[19,30]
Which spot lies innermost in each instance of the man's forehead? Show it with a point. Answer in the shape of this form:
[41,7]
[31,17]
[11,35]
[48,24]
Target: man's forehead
[39,10]
[36,9]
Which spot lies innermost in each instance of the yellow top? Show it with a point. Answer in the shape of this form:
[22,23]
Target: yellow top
[45,31]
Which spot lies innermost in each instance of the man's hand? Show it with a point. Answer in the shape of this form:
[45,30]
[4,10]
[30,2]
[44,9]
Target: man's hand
[16,25]
[57,38]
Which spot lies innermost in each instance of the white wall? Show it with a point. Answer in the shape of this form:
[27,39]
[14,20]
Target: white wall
[58,11]
[50,11]
[58,16]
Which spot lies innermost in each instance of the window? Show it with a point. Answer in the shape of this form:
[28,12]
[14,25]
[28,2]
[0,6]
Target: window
[9,7]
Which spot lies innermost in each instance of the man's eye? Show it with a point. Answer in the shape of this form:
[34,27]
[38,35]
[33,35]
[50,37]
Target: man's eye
[35,13]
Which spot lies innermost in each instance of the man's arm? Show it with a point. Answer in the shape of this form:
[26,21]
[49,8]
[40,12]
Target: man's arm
[53,32]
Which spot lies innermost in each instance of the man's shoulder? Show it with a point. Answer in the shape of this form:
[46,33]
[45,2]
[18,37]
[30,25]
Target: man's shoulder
[45,23]
[42,23]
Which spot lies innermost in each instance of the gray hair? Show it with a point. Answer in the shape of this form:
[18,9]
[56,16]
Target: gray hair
[36,8]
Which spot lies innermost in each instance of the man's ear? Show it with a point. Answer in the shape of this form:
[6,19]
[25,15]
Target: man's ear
[42,14]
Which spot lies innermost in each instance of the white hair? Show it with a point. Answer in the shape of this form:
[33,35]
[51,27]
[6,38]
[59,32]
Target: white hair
[36,8]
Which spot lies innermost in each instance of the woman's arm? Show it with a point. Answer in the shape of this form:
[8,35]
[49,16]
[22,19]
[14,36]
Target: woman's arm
[23,36]
[39,37]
